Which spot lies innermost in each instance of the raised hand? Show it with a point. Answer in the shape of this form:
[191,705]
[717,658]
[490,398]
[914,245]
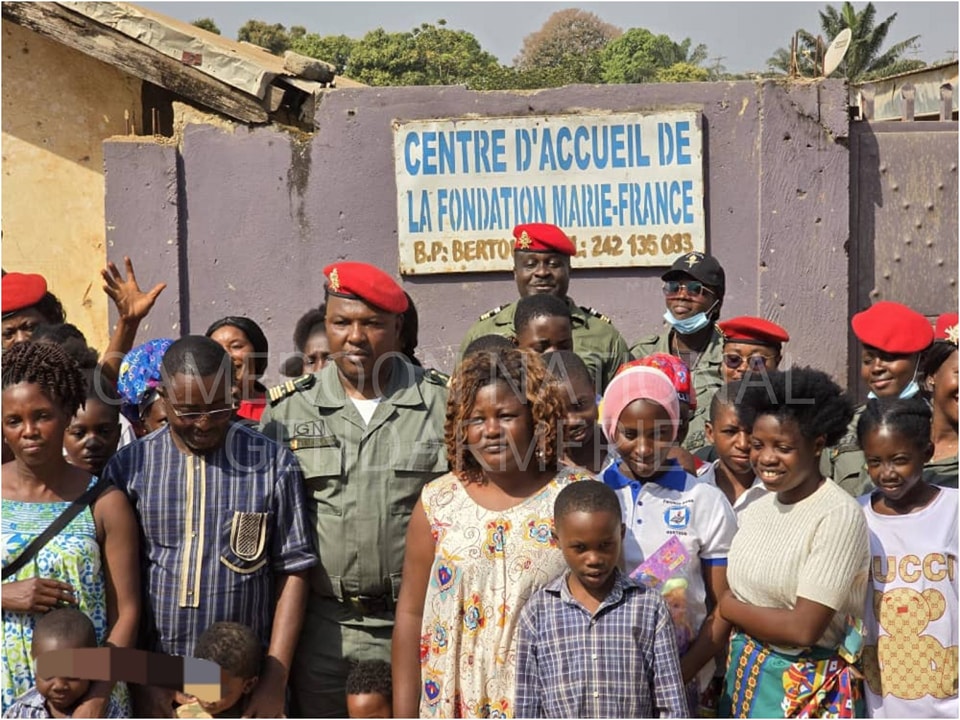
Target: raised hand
[132,303]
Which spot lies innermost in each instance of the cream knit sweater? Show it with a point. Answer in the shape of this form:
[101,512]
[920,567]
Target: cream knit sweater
[817,548]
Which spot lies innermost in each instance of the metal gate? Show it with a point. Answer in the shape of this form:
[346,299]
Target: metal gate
[903,219]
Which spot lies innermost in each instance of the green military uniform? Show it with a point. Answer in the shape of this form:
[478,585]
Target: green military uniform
[361,484]
[595,339]
[845,464]
[706,378]
[942,472]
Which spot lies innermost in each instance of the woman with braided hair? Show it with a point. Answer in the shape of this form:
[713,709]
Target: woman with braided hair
[92,562]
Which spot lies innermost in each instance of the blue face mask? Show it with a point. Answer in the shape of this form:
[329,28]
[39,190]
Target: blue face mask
[690,325]
[909,391]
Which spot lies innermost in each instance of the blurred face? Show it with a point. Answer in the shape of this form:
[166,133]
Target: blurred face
[233,689]
[683,303]
[92,436]
[886,374]
[316,351]
[62,693]
[731,440]
[359,335]
[580,405]
[20,327]
[590,542]
[785,461]
[738,358]
[546,334]
[895,462]
[644,437]
[33,424]
[540,272]
[499,430]
[369,705]
[943,386]
[198,409]
[240,350]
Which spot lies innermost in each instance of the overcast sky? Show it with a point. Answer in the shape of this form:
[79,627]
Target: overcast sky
[740,35]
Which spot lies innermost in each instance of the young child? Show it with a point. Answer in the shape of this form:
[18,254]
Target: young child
[678,373]
[236,649]
[593,642]
[94,432]
[582,437]
[663,503]
[58,697]
[730,441]
[370,690]
[543,323]
[911,619]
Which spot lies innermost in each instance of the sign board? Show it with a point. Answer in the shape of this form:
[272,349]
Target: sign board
[627,187]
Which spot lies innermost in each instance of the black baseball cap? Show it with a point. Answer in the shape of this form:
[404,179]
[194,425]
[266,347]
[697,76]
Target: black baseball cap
[699,266]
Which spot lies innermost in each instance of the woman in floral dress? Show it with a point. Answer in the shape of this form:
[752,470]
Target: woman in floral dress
[480,540]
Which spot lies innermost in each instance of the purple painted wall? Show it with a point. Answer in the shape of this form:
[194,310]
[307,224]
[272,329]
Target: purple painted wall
[261,211]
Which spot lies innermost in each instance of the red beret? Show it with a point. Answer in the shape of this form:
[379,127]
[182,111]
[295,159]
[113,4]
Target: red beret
[365,282]
[542,237]
[21,290]
[893,328]
[753,330]
[947,328]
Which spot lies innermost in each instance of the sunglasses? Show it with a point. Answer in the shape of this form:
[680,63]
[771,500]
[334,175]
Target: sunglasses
[754,362]
[693,288]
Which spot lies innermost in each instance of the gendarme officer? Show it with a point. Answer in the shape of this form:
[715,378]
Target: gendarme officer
[693,289]
[368,433]
[541,264]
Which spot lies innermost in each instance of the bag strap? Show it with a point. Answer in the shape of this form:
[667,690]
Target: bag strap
[88,498]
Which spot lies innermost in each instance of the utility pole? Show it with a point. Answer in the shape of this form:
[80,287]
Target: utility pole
[717,64]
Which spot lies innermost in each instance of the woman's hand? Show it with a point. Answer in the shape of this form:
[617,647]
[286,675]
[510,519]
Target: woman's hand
[37,595]
[133,305]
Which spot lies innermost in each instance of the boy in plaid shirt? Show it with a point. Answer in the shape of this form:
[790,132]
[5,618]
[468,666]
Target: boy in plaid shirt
[593,642]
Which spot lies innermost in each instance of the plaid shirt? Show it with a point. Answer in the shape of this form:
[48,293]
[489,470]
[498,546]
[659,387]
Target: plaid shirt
[33,705]
[620,662]
[215,531]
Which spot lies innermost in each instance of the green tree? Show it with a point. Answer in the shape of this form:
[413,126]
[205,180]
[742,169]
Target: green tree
[450,57]
[865,57]
[570,39]
[682,72]
[428,55]
[639,56]
[334,49]
[206,24]
[270,37]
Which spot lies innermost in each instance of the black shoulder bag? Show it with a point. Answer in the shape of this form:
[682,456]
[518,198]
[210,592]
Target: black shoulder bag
[88,497]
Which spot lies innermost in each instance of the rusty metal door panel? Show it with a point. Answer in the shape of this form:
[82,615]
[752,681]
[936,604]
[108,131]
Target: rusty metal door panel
[903,218]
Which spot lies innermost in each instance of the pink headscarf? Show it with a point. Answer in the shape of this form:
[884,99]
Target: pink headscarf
[638,383]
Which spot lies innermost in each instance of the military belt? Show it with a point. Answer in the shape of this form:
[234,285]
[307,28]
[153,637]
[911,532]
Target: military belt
[369,604]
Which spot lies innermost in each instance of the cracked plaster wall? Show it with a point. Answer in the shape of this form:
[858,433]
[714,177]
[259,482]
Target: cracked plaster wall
[259,212]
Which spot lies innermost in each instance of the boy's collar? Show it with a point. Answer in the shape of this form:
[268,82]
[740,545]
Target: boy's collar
[673,477]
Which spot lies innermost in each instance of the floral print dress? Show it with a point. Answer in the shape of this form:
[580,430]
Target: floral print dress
[487,564]
[72,556]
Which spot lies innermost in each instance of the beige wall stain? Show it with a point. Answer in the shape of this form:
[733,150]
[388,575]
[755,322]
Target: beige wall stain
[58,107]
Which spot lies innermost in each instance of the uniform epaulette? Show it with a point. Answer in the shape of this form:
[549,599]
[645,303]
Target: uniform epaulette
[488,315]
[285,390]
[436,377]
[597,314]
